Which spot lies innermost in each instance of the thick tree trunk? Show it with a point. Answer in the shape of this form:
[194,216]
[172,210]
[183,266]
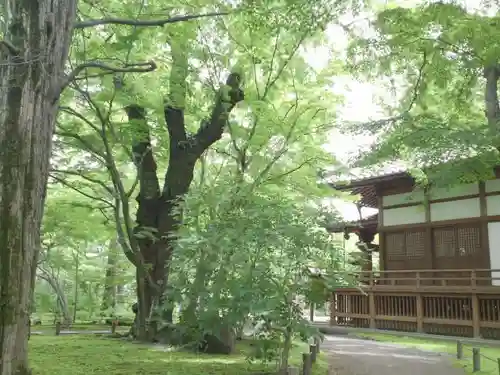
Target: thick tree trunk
[33,55]
[159,209]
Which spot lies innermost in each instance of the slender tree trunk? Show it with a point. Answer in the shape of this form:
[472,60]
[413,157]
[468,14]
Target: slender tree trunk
[62,301]
[77,274]
[33,55]
[110,287]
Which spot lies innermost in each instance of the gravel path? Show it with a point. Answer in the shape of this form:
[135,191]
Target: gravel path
[350,356]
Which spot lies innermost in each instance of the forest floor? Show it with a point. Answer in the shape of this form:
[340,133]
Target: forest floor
[83,354]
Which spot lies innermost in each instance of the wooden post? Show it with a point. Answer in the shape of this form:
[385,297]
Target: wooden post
[58,328]
[418,304]
[476,319]
[498,364]
[313,351]
[317,342]
[333,310]
[311,313]
[114,323]
[460,350]
[306,364]
[371,307]
[476,360]
[420,312]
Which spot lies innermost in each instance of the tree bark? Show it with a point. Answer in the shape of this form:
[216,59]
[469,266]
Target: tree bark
[492,108]
[33,55]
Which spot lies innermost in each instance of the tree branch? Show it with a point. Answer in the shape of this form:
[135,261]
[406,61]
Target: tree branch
[290,171]
[128,68]
[87,146]
[145,23]
[227,98]
[83,176]
[12,49]
[374,126]
[174,108]
[92,197]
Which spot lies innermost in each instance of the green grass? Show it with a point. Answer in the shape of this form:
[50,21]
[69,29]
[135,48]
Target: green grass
[91,355]
[488,366]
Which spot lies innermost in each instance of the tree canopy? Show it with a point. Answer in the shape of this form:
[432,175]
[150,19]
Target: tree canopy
[434,60]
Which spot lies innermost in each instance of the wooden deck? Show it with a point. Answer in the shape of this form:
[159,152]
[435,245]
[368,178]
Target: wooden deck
[446,302]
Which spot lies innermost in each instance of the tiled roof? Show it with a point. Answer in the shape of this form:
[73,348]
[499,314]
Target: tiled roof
[368,221]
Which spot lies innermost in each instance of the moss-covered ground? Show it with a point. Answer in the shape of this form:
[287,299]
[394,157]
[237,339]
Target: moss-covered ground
[92,355]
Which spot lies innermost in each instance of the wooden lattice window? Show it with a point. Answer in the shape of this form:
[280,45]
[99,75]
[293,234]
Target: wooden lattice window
[453,242]
[406,245]
[395,245]
[469,241]
[445,242]
[415,244]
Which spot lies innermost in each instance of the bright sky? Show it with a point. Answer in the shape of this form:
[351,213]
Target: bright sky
[360,95]
[357,95]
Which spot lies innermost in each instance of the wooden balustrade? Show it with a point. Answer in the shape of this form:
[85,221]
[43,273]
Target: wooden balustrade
[423,278]
[447,302]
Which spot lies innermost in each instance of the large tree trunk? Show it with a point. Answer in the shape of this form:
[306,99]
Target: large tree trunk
[159,209]
[33,55]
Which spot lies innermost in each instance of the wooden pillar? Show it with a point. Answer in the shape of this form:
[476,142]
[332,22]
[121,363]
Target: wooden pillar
[476,318]
[333,309]
[419,306]
[371,306]
[381,234]
[429,243]
[485,246]
[476,326]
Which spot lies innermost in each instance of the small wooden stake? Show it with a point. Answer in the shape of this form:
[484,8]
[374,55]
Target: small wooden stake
[113,326]
[58,328]
[460,350]
[317,342]
[476,360]
[313,351]
[306,364]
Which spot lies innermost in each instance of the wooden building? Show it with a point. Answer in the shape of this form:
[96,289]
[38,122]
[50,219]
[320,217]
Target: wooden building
[439,253]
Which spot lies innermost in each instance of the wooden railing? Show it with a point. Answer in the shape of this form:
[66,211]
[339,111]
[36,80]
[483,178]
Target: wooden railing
[449,302]
[423,278]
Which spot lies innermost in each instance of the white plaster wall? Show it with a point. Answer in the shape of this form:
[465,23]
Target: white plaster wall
[494,245]
[459,209]
[492,185]
[413,197]
[404,215]
[493,205]
[454,191]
